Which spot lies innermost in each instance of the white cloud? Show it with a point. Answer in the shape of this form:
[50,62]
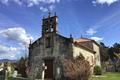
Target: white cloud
[46,9]
[91,31]
[36,2]
[109,2]
[30,4]
[8,52]
[43,9]
[16,34]
[44,5]
[97,38]
[51,7]
[18,2]
[4,2]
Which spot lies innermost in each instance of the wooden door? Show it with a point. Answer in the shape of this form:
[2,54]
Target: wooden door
[49,70]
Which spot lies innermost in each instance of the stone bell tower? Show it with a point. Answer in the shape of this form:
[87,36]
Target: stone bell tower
[49,24]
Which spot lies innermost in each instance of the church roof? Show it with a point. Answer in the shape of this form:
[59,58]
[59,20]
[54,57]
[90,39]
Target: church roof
[84,43]
[84,47]
[83,40]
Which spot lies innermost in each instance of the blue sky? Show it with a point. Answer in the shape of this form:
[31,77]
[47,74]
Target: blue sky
[20,21]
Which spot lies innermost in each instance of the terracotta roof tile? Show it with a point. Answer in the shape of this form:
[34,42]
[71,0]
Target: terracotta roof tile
[84,47]
[83,40]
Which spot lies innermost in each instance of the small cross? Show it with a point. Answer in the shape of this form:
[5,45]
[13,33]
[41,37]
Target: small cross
[44,67]
[70,35]
[55,14]
[49,14]
[81,36]
[30,41]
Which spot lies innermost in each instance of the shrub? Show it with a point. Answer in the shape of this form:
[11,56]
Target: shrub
[97,70]
[76,69]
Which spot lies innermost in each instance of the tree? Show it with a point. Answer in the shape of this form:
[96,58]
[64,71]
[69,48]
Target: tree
[111,53]
[22,67]
[104,52]
[76,69]
[113,57]
[116,48]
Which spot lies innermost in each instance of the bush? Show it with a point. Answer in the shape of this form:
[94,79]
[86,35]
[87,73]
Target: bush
[97,70]
[76,69]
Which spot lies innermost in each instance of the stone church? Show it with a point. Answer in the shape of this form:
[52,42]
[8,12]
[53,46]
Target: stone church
[46,51]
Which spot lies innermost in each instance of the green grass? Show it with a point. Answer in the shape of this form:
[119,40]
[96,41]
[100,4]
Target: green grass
[108,76]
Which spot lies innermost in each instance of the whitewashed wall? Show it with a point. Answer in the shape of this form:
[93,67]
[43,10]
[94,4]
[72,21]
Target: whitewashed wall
[97,55]
[87,54]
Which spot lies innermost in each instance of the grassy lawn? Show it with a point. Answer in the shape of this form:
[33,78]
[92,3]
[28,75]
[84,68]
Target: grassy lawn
[108,76]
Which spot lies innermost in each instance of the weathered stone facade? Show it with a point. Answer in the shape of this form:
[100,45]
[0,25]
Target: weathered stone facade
[50,48]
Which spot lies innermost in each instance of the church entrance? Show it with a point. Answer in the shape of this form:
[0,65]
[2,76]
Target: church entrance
[49,70]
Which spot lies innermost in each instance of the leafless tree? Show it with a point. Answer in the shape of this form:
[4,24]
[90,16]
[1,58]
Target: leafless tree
[76,69]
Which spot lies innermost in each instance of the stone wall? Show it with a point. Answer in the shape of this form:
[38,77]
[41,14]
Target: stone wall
[60,46]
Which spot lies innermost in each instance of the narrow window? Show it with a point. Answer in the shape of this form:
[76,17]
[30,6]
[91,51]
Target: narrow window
[48,42]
